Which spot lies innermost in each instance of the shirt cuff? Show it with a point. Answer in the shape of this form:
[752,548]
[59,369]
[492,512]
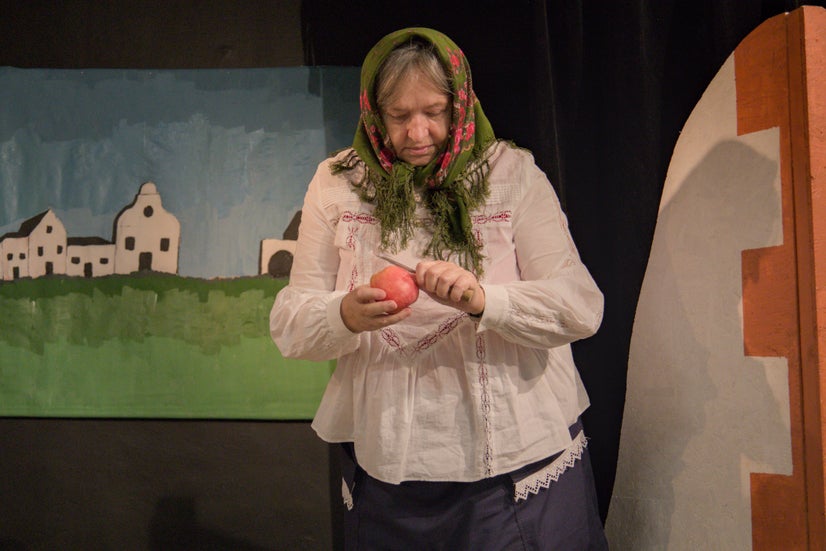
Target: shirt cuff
[496,306]
[337,326]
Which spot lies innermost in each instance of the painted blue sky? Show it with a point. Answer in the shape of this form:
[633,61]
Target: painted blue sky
[230,151]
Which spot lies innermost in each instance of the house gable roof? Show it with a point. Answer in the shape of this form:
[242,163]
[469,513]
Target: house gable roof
[28,226]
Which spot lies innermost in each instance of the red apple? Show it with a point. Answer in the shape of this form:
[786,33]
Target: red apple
[399,284]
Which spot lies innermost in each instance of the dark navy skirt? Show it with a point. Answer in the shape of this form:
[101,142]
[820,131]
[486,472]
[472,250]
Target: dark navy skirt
[560,514]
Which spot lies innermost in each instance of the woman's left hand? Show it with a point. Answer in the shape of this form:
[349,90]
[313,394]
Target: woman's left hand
[446,282]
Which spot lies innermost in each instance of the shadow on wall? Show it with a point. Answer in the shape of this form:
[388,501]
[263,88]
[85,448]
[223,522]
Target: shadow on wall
[699,414]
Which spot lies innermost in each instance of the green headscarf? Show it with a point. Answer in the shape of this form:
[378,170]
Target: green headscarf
[451,185]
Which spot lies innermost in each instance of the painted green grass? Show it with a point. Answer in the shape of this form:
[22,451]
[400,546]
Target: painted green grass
[150,346]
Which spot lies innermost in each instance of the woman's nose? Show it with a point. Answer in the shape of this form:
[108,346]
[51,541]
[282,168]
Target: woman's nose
[417,129]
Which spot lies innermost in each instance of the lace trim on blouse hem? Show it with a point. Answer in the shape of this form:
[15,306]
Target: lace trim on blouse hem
[543,477]
[346,495]
[530,485]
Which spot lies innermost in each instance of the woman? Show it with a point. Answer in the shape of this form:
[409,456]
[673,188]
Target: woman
[460,417]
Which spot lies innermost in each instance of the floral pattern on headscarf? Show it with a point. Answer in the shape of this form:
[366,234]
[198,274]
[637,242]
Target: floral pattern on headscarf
[452,184]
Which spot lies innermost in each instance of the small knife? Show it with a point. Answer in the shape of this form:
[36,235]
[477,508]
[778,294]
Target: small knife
[466,296]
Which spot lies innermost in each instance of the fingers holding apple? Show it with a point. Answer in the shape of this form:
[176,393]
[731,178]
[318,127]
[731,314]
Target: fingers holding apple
[368,308]
[384,302]
[392,290]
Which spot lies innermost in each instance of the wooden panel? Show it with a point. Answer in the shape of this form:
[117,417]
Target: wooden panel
[781,311]
[810,172]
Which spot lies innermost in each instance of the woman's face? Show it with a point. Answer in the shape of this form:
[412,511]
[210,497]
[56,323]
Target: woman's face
[417,119]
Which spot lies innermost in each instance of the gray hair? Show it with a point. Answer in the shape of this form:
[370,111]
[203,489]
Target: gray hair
[414,56]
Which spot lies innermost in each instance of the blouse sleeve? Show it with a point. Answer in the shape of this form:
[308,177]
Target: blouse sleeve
[305,320]
[556,301]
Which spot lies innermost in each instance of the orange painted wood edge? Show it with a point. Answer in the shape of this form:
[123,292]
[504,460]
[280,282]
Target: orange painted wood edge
[780,81]
[809,174]
[770,306]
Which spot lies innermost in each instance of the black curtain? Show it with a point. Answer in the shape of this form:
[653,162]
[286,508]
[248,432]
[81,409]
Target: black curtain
[599,92]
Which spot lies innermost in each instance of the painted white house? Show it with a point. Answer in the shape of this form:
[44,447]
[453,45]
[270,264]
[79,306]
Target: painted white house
[37,249]
[47,244]
[14,257]
[90,257]
[276,255]
[147,237]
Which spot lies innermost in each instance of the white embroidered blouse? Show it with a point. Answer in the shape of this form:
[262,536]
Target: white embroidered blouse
[442,396]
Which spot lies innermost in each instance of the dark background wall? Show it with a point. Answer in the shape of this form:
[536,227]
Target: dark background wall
[597,90]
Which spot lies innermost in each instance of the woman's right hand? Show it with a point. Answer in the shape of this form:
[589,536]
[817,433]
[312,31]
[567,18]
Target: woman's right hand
[364,309]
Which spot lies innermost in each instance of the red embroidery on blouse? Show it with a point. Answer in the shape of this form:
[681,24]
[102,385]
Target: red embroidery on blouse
[479,237]
[351,242]
[359,217]
[391,338]
[354,275]
[352,238]
[441,332]
[481,356]
[498,217]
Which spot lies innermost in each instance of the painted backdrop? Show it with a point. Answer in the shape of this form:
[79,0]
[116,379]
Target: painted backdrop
[225,156]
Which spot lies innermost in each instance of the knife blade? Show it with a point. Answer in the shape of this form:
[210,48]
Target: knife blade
[466,296]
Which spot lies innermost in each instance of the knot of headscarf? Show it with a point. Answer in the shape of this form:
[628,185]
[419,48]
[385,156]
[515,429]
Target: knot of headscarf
[451,185]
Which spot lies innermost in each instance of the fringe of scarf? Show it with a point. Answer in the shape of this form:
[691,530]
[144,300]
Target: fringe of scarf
[449,206]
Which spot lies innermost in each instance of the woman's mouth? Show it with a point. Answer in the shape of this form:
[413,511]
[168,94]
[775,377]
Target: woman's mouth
[418,155]
[419,150]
